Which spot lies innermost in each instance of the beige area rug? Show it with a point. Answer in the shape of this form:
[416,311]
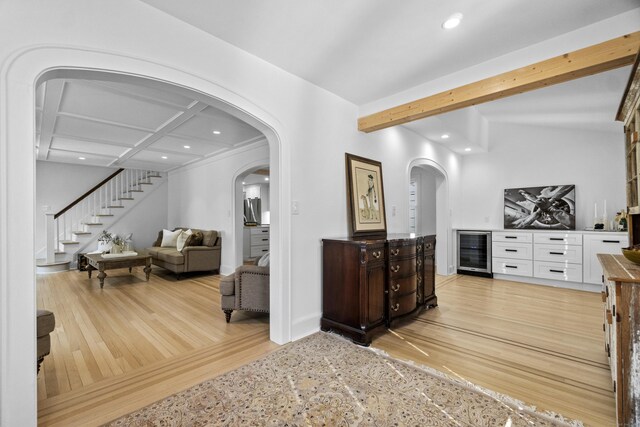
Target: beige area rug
[325,380]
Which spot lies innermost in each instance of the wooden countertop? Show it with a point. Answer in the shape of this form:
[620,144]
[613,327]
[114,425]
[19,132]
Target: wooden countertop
[619,269]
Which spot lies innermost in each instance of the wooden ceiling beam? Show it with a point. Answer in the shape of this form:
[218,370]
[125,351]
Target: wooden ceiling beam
[594,59]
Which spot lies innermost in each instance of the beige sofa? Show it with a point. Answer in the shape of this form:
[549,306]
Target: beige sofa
[201,253]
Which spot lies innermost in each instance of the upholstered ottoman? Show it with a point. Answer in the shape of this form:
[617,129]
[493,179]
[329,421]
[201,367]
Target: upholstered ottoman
[45,323]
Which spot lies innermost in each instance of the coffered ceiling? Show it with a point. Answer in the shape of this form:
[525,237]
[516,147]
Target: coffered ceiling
[132,125]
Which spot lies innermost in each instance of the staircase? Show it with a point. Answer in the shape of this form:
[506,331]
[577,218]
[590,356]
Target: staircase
[76,228]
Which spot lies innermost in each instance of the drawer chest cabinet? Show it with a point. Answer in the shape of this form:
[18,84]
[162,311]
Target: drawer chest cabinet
[368,283]
[255,241]
[621,325]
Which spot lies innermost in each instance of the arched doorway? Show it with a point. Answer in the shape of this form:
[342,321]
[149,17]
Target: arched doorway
[22,73]
[431,207]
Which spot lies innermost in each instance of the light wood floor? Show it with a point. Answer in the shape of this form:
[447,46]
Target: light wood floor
[133,342]
[541,345]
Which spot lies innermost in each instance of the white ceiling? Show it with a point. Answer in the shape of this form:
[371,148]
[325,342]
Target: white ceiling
[131,125]
[362,50]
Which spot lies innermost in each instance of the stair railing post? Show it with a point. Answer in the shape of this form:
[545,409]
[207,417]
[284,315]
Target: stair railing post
[50,230]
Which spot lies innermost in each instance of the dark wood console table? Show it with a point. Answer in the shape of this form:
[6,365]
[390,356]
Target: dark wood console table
[101,263]
[368,283]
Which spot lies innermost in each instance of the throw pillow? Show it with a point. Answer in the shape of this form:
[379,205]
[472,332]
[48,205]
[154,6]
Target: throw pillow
[264,260]
[170,238]
[195,239]
[182,239]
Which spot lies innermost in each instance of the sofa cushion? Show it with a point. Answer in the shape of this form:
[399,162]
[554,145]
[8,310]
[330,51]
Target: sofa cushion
[209,237]
[170,255]
[170,238]
[182,239]
[45,323]
[195,239]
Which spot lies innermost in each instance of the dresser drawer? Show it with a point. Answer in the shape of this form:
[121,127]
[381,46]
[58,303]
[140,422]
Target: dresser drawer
[557,271]
[558,253]
[402,268]
[511,236]
[259,239]
[429,245]
[259,231]
[376,254]
[511,250]
[403,286]
[259,250]
[515,267]
[558,238]
[402,304]
[403,251]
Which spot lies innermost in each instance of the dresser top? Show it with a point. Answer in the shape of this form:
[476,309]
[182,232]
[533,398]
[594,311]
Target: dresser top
[619,269]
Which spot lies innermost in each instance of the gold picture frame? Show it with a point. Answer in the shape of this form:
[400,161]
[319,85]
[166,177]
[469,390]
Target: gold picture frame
[366,196]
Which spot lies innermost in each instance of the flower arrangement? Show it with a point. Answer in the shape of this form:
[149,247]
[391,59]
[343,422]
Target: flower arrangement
[111,242]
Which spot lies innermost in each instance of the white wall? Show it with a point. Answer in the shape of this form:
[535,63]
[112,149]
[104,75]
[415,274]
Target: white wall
[531,156]
[202,196]
[59,184]
[309,130]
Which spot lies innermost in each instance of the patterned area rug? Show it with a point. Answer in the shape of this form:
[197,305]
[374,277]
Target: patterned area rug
[324,380]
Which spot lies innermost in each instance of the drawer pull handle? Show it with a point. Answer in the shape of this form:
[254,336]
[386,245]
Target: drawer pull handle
[556,271]
[556,253]
[510,237]
[396,287]
[511,250]
[419,262]
[376,254]
[611,241]
[557,238]
[395,252]
[395,307]
[510,266]
[395,269]
[428,246]
[419,279]
[265,240]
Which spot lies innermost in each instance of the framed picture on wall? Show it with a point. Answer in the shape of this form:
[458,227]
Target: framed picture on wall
[550,207]
[366,196]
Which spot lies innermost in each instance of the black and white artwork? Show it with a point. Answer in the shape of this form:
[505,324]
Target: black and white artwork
[551,207]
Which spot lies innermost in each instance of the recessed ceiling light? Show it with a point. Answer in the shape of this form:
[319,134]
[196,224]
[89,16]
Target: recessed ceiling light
[187,146]
[467,149]
[216,132]
[164,157]
[243,183]
[452,21]
[266,179]
[445,136]
[82,158]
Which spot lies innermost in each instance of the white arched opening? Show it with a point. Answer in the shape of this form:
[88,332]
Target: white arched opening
[19,79]
[439,195]
[238,207]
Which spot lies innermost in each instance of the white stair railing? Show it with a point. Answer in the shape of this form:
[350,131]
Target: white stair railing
[88,210]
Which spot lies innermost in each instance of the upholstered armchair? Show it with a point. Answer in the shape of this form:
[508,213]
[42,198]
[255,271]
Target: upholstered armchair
[246,289]
[45,323]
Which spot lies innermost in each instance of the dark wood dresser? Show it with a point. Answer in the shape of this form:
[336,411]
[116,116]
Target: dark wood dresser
[368,283]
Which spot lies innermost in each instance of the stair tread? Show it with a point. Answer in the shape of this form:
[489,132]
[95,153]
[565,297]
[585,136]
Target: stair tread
[44,263]
[92,223]
[145,183]
[126,198]
[69,242]
[104,215]
[136,191]
[114,207]
[79,233]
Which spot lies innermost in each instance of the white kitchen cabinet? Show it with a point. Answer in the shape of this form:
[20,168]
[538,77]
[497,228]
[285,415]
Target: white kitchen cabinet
[600,243]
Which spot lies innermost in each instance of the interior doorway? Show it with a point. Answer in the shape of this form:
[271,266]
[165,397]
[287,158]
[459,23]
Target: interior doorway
[429,207]
[252,213]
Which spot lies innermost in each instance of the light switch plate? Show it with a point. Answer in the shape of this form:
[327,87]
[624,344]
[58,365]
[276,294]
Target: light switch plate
[295,208]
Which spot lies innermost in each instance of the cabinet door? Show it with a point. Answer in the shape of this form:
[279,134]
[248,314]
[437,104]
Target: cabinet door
[594,244]
[429,280]
[375,294]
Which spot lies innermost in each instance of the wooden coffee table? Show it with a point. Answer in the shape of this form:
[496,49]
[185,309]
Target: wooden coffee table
[103,263]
